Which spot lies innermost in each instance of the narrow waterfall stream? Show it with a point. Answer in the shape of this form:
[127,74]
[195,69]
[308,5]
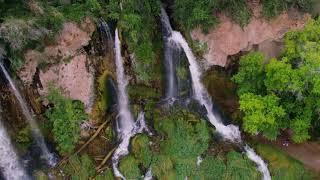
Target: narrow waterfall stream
[126,126]
[229,132]
[46,155]
[9,161]
[169,59]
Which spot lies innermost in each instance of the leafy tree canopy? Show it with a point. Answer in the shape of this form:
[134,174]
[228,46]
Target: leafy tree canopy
[283,93]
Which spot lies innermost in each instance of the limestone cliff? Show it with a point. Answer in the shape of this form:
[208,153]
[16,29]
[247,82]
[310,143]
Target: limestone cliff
[66,63]
[228,38]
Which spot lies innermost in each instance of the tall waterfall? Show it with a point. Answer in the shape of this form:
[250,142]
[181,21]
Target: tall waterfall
[170,48]
[9,161]
[50,159]
[229,132]
[126,126]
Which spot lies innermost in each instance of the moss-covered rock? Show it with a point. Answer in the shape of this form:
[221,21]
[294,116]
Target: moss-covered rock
[141,150]
[129,167]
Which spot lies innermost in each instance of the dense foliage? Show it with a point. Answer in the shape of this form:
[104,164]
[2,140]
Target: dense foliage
[139,27]
[272,8]
[283,93]
[198,13]
[173,155]
[65,116]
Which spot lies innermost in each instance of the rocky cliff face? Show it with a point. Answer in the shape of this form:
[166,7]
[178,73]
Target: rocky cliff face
[66,64]
[229,38]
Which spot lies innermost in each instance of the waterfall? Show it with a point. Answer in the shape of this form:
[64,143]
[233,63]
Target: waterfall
[126,122]
[9,162]
[170,49]
[126,126]
[104,28]
[229,132]
[50,159]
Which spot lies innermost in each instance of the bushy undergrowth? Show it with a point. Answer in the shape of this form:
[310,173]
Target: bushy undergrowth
[139,27]
[65,117]
[79,168]
[191,14]
[272,8]
[183,137]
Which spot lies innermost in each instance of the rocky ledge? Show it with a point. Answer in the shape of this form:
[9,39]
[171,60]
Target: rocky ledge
[228,38]
[66,64]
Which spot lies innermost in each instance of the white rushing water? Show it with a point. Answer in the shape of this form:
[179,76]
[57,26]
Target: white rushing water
[229,132]
[126,121]
[46,155]
[170,50]
[148,175]
[9,161]
[126,126]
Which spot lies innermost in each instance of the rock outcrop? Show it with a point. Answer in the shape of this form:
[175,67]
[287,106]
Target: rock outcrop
[228,38]
[66,64]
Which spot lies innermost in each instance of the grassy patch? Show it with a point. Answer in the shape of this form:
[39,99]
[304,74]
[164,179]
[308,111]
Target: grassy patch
[281,166]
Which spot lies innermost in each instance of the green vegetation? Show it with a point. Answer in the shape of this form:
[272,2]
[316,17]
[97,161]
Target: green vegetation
[190,14]
[29,24]
[173,155]
[65,116]
[283,93]
[79,168]
[106,175]
[138,25]
[281,166]
[262,114]
[272,8]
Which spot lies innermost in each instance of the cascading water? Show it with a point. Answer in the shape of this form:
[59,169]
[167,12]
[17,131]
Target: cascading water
[229,132]
[49,157]
[104,27]
[170,48]
[9,162]
[126,126]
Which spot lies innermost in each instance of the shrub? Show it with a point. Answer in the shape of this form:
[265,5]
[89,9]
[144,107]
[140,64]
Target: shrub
[191,14]
[272,8]
[237,10]
[65,116]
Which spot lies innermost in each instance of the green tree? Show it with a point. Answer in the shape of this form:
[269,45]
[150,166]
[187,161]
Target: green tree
[251,74]
[262,114]
[294,81]
[65,116]
[280,77]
